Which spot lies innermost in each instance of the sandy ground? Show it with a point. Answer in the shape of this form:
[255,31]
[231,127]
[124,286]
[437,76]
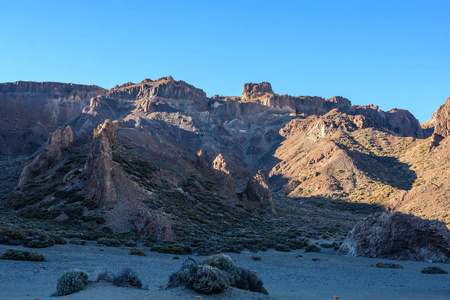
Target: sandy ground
[285,276]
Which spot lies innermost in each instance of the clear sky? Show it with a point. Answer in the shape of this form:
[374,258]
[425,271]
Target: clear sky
[389,53]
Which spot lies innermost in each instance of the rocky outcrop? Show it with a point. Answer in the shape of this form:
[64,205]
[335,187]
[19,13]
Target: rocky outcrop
[339,102]
[396,121]
[252,91]
[317,127]
[441,123]
[154,225]
[258,191]
[30,111]
[52,154]
[165,87]
[223,176]
[399,236]
[99,166]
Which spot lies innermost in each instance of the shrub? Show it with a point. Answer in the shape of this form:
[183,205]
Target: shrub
[109,242]
[71,282]
[41,241]
[214,274]
[250,281]
[135,251]
[175,249]
[256,258]
[209,280]
[312,248]
[433,270]
[224,263]
[127,278]
[296,244]
[12,254]
[282,248]
[388,265]
[12,236]
[130,243]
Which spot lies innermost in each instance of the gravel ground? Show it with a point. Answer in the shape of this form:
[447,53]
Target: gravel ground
[285,275]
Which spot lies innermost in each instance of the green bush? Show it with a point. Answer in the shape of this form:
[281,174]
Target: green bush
[214,275]
[224,263]
[71,282]
[209,280]
[312,248]
[136,251]
[296,244]
[130,243]
[282,248]
[109,242]
[41,241]
[12,254]
[175,249]
[433,270]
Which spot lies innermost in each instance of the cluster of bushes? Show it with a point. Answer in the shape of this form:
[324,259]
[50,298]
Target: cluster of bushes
[215,275]
[76,280]
[12,254]
[10,235]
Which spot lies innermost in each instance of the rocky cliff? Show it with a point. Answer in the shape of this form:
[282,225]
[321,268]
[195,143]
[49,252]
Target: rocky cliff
[29,111]
[163,147]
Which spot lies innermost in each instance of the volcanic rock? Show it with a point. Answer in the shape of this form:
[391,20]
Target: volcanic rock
[30,111]
[154,225]
[99,166]
[397,121]
[258,191]
[253,91]
[223,176]
[55,143]
[441,123]
[399,236]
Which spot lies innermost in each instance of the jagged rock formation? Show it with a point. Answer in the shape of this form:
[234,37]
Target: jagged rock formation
[175,146]
[397,121]
[223,176]
[29,111]
[52,154]
[99,166]
[154,225]
[399,236]
[441,123]
[258,191]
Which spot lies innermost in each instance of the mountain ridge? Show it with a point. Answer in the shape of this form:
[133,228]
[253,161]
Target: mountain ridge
[186,158]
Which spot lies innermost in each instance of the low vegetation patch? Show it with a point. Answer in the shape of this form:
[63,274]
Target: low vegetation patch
[388,265]
[12,254]
[215,275]
[136,251]
[433,270]
[312,248]
[109,242]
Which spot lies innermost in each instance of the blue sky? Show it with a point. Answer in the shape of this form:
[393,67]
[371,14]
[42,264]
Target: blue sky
[389,53]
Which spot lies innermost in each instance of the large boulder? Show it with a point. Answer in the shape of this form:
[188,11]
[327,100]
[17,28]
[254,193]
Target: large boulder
[399,236]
